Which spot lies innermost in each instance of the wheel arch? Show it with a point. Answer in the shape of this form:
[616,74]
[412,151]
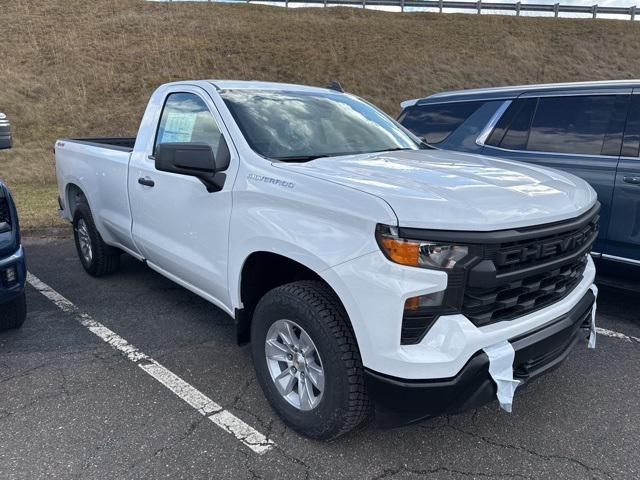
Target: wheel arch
[73,193]
[263,271]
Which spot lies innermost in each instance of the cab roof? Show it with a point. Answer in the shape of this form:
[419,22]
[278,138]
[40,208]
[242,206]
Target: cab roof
[256,85]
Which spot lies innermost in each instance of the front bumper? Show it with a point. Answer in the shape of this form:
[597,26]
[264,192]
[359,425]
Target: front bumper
[373,291]
[399,401]
[10,291]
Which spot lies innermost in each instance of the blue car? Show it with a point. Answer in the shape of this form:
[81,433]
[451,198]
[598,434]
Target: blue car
[13,271]
[589,129]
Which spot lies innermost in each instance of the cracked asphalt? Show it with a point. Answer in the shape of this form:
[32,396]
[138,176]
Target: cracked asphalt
[73,407]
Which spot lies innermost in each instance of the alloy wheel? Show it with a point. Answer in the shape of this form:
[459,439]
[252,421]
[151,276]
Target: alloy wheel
[294,364]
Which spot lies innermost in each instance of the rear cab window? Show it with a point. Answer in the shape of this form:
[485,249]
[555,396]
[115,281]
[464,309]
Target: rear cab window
[436,122]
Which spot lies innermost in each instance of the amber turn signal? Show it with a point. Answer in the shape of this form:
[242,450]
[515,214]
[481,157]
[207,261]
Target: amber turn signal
[401,251]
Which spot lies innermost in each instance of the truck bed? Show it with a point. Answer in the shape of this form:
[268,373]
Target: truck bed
[99,166]
[113,143]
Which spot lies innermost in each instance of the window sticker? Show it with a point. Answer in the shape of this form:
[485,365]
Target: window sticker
[178,127]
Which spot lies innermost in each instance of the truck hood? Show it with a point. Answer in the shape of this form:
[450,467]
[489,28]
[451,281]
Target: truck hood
[437,189]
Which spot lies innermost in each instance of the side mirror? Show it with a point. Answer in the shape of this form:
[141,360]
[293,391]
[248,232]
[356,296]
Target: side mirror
[5,132]
[192,159]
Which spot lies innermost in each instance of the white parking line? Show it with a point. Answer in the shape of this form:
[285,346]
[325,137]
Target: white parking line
[194,397]
[621,336]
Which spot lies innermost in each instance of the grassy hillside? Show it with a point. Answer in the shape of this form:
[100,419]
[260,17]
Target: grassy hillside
[87,67]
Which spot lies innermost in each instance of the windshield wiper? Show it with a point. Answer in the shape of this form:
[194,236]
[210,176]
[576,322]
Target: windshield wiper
[306,158]
[299,158]
[424,145]
[395,149]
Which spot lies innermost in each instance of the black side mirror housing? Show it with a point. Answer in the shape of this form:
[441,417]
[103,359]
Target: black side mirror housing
[5,132]
[192,159]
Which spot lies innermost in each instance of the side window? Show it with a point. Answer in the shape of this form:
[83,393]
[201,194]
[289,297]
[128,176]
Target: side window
[631,144]
[512,130]
[575,124]
[436,122]
[185,118]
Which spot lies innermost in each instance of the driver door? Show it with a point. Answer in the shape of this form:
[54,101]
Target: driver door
[180,227]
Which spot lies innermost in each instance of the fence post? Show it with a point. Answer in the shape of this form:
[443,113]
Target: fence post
[633,13]
[402,5]
[440,5]
[479,6]
[595,10]
[518,9]
[556,9]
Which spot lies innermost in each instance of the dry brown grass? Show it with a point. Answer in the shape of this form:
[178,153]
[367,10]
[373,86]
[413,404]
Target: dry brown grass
[87,67]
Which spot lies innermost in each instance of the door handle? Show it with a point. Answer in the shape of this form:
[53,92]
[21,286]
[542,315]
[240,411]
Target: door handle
[632,180]
[146,181]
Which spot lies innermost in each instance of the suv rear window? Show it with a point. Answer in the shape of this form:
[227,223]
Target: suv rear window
[436,122]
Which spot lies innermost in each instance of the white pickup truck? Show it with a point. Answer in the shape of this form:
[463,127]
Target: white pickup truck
[371,274]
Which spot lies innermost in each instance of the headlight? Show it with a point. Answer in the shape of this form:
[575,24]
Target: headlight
[418,253]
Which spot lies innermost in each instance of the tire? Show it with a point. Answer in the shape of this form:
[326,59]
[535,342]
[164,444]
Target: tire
[313,307]
[102,259]
[13,313]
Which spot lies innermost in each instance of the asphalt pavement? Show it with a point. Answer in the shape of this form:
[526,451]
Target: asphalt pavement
[73,406]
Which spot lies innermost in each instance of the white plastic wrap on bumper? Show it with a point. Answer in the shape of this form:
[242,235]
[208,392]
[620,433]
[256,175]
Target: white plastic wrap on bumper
[592,333]
[501,356]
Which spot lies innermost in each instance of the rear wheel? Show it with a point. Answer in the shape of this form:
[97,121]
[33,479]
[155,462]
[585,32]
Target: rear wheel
[96,256]
[13,313]
[307,360]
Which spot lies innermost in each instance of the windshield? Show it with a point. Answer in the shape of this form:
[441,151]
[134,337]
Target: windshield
[298,126]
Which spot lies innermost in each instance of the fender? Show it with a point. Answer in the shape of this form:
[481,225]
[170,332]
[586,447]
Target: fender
[278,247]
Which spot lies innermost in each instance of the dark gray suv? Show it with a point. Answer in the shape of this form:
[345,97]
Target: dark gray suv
[589,129]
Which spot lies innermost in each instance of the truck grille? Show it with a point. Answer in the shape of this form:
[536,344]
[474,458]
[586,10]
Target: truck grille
[519,297]
[516,255]
[507,273]
[532,269]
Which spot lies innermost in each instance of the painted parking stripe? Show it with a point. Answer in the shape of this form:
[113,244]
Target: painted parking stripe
[224,419]
[621,336]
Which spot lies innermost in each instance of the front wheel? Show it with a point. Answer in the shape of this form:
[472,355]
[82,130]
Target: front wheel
[307,360]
